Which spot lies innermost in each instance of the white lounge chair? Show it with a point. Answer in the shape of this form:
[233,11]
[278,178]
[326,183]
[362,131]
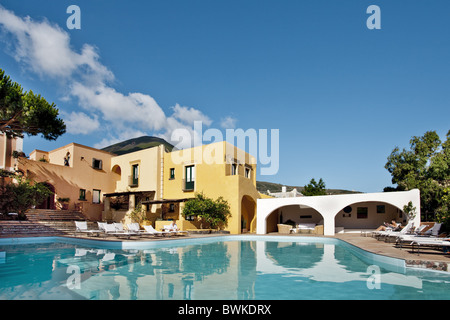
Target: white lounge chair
[418,231]
[429,242]
[152,230]
[111,229]
[81,226]
[101,226]
[433,231]
[135,227]
[174,231]
[387,234]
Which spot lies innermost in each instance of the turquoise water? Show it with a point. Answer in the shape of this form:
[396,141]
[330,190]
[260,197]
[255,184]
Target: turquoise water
[226,268]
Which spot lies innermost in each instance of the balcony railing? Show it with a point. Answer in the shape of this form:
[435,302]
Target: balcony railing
[188,185]
[133,181]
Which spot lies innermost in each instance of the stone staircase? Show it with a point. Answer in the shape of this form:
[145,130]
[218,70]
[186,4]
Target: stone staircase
[43,223]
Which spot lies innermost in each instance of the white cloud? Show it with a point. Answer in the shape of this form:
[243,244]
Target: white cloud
[81,123]
[44,48]
[228,122]
[189,115]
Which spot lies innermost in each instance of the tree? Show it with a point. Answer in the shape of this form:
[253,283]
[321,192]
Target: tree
[213,212]
[27,113]
[425,166]
[315,188]
[20,194]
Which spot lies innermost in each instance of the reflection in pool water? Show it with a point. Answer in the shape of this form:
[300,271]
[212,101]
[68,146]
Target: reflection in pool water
[224,269]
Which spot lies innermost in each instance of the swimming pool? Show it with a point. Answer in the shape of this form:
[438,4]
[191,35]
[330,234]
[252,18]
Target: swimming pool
[219,268]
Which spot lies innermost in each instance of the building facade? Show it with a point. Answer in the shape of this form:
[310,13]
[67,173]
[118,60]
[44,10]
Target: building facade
[107,187]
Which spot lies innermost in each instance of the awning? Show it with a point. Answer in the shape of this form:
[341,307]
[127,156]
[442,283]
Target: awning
[165,201]
[118,194]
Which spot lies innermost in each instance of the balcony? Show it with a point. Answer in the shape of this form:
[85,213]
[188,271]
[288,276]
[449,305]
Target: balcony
[188,185]
[133,181]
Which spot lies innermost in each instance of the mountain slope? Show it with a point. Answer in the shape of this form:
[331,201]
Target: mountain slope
[263,186]
[137,144]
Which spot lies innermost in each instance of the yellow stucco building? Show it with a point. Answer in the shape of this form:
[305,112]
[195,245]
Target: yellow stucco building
[104,186]
[217,169]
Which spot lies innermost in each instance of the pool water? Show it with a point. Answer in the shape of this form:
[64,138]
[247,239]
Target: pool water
[226,268]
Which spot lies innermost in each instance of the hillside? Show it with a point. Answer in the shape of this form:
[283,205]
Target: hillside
[263,186]
[137,144]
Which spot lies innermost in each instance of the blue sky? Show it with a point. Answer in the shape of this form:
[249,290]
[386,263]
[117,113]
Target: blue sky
[342,96]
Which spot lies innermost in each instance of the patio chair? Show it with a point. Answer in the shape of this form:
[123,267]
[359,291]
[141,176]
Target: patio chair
[135,227]
[388,234]
[419,230]
[152,230]
[81,226]
[110,229]
[430,242]
[433,231]
[377,233]
[101,226]
[174,231]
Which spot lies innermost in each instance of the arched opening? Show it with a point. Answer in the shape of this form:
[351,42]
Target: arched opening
[294,215]
[248,214]
[367,215]
[116,169]
[49,202]
[117,173]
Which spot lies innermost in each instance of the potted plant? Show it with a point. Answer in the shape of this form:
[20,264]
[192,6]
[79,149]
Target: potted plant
[139,215]
[410,211]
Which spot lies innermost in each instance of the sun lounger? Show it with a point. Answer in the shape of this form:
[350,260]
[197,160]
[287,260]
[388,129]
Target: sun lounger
[111,229]
[376,234]
[135,227]
[430,242]
[433,231]
[410,238]
[174,231]
[388,234]
[81,226]
[418,231]
[152,230]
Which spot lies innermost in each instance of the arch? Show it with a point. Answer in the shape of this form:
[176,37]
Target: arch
[292,213]
[372,215]
[116,169]
[248,214]
[49,202]
[330,205]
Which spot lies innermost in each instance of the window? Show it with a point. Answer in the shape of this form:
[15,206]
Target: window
[82,194]
[97,164]
[134,181]
[381,209]
[248,173]
[234,169]
[96,196]
[172,173]
[190,178]
[362,213]
[171,207]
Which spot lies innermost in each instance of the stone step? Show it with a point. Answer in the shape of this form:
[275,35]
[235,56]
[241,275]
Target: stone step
[44,223]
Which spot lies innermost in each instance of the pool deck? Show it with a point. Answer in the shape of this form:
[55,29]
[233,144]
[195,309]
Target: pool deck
[430,258]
